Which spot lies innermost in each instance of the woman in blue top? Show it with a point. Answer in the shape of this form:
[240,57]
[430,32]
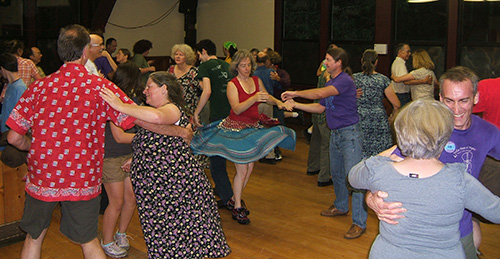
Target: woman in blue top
[338,98]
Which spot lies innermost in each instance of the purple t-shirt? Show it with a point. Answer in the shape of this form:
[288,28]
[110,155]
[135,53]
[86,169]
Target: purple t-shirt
[342,109]
[470,147]
[103,66]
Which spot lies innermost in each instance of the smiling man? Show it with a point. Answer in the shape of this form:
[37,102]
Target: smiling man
[471,141]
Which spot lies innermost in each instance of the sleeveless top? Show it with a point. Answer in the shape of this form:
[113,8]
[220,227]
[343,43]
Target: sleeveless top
[250,115]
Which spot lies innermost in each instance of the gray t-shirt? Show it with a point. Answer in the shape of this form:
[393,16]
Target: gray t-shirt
[434,208]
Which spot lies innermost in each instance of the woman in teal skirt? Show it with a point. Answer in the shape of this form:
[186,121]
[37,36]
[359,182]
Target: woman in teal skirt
[243,137]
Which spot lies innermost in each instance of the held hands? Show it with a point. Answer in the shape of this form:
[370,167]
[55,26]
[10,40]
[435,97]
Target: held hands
[127,165]
[386,211]
[261,97]
[110,98]
[288,95]
[289,105]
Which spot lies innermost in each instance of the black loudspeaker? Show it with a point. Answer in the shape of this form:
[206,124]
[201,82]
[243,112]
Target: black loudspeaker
[187,6]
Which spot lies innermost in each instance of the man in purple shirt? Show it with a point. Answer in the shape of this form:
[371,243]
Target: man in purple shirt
[471,141]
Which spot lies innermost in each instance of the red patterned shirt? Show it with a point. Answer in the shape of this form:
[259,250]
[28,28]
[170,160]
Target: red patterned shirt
[67,118]
[26,70]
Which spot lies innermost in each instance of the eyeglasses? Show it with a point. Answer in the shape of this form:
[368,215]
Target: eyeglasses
[96,45]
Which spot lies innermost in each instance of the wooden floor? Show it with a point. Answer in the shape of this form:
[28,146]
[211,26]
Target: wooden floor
[285,205]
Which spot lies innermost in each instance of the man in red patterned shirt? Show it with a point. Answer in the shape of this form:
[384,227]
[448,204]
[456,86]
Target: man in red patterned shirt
[67,118]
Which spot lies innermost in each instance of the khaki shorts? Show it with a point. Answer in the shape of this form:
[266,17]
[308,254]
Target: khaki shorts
[112,171]
[78,218]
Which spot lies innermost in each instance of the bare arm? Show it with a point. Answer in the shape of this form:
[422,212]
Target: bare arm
[311,94]
[167,114]
[120,135]
[307,107]
[21,142]
[426,80]
[270,99]
[399,79]
[205,95]
[392,97]
[169,130]
[148,69]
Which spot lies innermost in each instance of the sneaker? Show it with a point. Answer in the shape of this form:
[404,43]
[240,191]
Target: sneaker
[240,215]
[230,206]
[121,240]
[113,250]
[277,154]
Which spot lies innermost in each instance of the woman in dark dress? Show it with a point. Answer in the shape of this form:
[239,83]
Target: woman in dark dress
[177,209]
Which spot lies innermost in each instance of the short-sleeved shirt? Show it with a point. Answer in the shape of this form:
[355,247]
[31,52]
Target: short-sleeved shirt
[398,68]
[218,72]
[342,109]
[67,118]
[12,95]
[489,95]
[422,91]
[141,61]
[26,70]
[103,66]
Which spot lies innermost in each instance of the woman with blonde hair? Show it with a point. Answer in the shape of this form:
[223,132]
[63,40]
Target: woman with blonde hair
[423,66]
[186,73]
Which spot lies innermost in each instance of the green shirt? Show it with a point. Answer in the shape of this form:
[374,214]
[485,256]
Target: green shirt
[141,61]
[218,72]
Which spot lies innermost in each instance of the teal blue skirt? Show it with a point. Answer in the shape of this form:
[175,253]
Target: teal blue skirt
[241,146]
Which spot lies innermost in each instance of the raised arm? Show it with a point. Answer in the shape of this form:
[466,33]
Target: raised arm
[167,114]
[311,94]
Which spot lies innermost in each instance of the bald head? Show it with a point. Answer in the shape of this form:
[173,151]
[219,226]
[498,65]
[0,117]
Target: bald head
[96,47]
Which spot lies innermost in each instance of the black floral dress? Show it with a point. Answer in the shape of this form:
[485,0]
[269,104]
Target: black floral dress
[177,209]
[190,86]
[372,116]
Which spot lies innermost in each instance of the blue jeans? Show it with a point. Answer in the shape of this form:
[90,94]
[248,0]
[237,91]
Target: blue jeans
[221,180]
[345,152]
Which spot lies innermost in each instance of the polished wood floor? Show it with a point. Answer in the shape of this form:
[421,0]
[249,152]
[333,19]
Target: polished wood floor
[285,205]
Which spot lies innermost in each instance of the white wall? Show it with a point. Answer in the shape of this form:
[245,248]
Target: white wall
[249,23]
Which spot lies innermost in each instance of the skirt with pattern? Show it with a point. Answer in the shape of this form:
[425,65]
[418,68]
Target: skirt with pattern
[241,145]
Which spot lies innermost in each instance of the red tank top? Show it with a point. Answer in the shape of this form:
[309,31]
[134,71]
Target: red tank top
[251,115]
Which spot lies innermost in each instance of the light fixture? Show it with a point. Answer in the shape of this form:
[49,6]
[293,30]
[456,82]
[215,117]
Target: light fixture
[420,1]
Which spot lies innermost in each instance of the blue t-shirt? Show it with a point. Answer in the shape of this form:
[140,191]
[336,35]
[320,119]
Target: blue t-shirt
[12,95]
[103,66]
[342,109]
[265,75]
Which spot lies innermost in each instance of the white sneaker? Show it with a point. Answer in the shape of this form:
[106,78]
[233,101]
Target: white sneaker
[121,240]
[113,250]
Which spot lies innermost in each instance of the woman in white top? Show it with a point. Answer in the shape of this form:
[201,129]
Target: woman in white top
[423,67]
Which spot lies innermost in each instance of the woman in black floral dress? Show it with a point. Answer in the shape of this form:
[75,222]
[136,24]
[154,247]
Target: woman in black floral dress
[372,116]
[186,73]
[177,209]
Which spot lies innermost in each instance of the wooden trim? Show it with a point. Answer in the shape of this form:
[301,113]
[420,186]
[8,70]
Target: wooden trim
[383,30]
